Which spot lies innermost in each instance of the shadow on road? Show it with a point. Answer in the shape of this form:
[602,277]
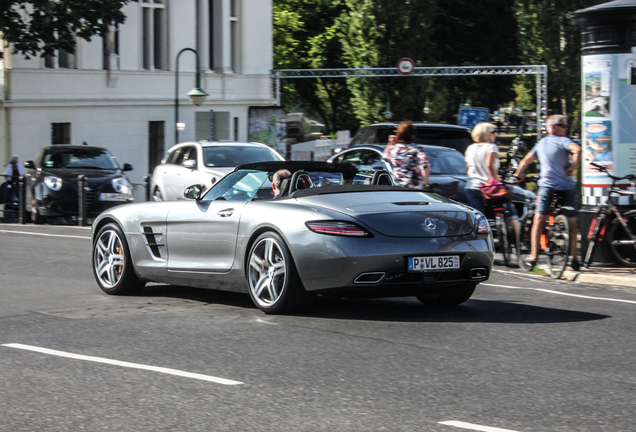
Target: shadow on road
[403,309]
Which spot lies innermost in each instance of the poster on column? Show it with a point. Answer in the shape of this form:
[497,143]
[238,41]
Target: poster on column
[625,131]
[598,87]
[598,148]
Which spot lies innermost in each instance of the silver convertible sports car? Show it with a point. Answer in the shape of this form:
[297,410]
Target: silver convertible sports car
[324,234]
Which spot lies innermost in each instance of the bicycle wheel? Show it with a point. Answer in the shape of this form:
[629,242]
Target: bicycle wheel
[623,247]
[525,246]
[516,257]
[558,246]
[502,238]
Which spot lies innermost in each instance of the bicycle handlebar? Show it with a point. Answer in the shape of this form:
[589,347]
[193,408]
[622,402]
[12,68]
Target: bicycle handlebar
[604,169]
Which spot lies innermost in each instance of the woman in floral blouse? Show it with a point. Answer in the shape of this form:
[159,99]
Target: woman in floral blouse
[410,164]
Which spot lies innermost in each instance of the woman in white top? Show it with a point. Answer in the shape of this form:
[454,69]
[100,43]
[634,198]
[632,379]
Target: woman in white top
[482,163]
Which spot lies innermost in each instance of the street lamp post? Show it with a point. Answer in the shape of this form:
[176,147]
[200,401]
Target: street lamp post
[197,96]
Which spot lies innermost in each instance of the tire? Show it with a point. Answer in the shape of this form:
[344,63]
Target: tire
[156,195]
[112,263]
[502,238]
[622,247]
[274,283]
[525,242]
[36,217]
[450,297]
[558,246]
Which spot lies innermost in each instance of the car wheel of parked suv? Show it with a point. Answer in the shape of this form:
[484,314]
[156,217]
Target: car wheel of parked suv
[156,195]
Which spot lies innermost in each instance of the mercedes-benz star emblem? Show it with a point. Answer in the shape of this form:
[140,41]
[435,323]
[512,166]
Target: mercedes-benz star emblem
[430,224]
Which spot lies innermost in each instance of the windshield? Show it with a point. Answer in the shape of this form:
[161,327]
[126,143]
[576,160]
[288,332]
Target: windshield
[79,158]
[447,162]
[252,185]
[231,156]
[238,186]
[453,138]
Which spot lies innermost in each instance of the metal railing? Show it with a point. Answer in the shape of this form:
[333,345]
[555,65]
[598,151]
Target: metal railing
[16,210]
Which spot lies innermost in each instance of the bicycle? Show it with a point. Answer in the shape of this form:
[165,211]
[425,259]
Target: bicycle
[555,238]
[506,236]
[620,236]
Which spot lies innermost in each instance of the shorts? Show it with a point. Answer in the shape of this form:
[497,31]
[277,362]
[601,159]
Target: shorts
[544,197]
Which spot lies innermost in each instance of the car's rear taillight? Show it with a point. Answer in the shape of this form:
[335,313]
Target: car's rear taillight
[336,228]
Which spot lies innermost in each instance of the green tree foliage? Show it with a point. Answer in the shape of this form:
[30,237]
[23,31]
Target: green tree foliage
[43,26]
[377,33]
[306,37]
[548,36]
[433,33]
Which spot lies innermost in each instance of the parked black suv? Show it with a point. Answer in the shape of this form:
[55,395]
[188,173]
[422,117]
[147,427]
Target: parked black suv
[442,135]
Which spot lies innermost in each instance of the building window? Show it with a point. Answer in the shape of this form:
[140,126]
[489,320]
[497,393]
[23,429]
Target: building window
[154,35]
[236,128]
[60,133]
[234,36]
[156,140]
[60,60]
[110,48]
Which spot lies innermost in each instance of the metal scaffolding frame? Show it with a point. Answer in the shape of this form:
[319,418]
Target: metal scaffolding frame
[541,71]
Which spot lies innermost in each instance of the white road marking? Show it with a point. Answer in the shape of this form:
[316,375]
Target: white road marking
[45,234]
[124,364]
[474,426]
[560,293]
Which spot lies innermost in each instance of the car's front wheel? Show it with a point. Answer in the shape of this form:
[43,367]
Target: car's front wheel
[273,280]
[450,296]
[156,195]
[112,264]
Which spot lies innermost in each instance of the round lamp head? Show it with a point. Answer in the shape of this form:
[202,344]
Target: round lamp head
[197,96]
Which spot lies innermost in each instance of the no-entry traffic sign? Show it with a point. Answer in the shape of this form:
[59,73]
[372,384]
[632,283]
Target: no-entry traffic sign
[405,66]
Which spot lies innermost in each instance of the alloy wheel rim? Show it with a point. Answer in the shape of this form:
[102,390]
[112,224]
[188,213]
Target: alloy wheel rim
[109,259]
[267,272]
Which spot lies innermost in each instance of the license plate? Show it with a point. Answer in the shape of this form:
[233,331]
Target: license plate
[112,197]
[432,263]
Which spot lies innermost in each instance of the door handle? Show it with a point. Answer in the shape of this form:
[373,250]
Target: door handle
[226,212]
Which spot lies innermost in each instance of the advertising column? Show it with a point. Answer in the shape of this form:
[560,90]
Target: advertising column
[608,98]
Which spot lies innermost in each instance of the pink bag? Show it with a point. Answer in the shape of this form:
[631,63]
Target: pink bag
[493,190]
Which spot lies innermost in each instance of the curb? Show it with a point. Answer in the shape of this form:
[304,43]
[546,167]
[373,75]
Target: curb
[599,278]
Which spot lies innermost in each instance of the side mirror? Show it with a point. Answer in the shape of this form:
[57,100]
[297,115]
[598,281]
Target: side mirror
[127,167]
[29,164]
[193,192]
[190,164]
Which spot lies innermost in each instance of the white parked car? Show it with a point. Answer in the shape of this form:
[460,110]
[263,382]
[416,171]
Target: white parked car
[203,163]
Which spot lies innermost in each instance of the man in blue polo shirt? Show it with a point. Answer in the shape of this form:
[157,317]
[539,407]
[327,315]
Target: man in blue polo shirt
[559,157]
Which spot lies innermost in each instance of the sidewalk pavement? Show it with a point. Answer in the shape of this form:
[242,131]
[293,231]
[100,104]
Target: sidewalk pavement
[624,276]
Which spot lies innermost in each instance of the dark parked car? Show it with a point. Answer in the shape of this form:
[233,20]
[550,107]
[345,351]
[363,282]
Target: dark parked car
[52,182]
[448,171]
[442,135]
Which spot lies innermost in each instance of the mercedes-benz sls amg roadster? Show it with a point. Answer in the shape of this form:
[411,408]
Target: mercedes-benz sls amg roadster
[330,231]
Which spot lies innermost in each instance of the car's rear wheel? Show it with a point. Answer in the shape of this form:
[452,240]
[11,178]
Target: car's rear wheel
[449,296]
[112,264]
[156,195]
[273,280]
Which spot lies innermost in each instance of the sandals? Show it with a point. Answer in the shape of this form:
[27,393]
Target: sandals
[531,263]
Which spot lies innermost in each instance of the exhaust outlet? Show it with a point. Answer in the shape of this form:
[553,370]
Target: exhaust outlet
[369,278]
[478,274]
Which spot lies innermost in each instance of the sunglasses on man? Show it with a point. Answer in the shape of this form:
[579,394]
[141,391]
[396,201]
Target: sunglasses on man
[562,125]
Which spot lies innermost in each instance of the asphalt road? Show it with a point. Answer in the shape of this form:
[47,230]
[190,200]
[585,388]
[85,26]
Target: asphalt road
[525,354]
